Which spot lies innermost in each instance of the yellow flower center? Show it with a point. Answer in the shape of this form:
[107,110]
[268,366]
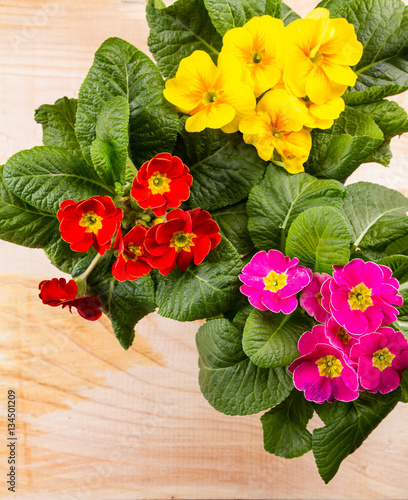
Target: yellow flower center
[360,298]
[319,297]
[159,183]
[329,366]
[343,336]
[182,241]
[210,97]
[257,57]
[91,221]
[317,58]
[136,250]
[275,281]
[382,359]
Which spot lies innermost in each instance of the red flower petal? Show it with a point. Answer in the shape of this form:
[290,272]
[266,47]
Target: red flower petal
[201,248]
[184,260]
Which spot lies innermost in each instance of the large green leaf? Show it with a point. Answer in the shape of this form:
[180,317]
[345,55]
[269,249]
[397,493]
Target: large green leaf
[270,340]
[225,14]
[229,380]
[392,120]
[125,303]
[260,7]
[223,167]
[46,175]
[382,28]
[109,151]
[119,69]
[233,222]
[347,426]
[319,238]
[284,427]
[61,255]
[21,223]
[58,124]
[177,31]
[376,215]
[339,150]
[288,15]
[275,203]
[201,291]
[399,266]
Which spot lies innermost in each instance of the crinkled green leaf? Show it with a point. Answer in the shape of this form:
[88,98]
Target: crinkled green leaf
[229,380]
[109,151]
[201,291]
[288,15]
[270,340]
[337,152]
[125,303]
[45,176]
[399,246]
[225,14]
[233,222]
[319,238]
[349,426]
[284,427]
[376,215]
[260,7]
[382,155]
[61,255]
[399,266]
[382,28]
[273,8]
[21,223]
[177,31]
[274,203]
[404,388]
[119,69]
[58,124]
[223,167]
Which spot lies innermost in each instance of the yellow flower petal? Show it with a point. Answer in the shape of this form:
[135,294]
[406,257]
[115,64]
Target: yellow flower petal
[329,110]
[342,46]
[181,95]
[337,73]
[320,13]
[264,145]
[238,43]
[296,73]
[287,113]
[265,77]
[256,124]
[215,115]
[320,89]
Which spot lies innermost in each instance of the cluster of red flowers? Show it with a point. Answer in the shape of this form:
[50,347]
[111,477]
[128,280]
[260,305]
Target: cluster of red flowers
[177,239]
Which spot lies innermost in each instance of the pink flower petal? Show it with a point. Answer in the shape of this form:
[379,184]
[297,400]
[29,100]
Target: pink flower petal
[389,380]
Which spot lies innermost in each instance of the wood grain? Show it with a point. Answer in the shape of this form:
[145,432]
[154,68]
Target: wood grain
[96,422]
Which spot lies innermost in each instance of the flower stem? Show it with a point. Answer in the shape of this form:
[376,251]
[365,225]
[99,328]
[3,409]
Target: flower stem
[81,280]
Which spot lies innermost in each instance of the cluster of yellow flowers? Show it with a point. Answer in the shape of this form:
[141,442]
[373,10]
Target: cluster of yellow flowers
[273,83]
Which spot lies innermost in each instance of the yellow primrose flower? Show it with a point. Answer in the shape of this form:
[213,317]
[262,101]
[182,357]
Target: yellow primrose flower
[318,52]
[212,94]
[254,45]
[323,115]
[277,125]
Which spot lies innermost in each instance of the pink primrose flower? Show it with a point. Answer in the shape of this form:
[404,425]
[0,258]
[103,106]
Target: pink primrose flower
[362,296]
[339,336]
[311,298]
[382,357]
[271,281]
[323,372]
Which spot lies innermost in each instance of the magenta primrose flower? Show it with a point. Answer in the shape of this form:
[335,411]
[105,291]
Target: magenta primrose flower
[311,298]
[382,357]
[362,296]
[271,281]
[339,336]
[323,372]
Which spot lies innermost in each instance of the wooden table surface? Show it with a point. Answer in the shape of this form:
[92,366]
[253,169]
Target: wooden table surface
[96,422]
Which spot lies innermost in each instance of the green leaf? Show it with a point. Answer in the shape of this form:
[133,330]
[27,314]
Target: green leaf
[119,69]
[233,222]
[58,124]
[275,203]
[284,427]
[201,291]
[100,269]
[229,380]
[223,167]
[21,223]
[399,246]
[319,238]
[352,424]
[61,255]
[45,176]
[338,151]
[382,28]
[273,8]
[288,15]
[225,14]
[125,303]
[404,387]
[399,267]
[270,340]
[382,155]
[376,215]
[177,31]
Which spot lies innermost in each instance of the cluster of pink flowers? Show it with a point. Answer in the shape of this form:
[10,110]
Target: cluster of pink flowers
[353,349]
